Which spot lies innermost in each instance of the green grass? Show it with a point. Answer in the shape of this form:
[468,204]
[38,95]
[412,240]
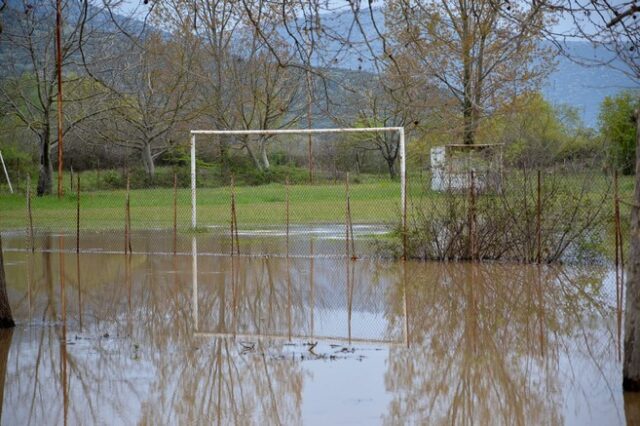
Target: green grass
[374,200]
[256,205]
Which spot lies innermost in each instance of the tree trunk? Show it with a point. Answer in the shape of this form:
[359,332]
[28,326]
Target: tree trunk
[5,344]
[467,72]
[147,160]
[391,164]
[255,159]
[631,367]
[6,319]
[632,408]
[45,177]
[263,154]
[469,133]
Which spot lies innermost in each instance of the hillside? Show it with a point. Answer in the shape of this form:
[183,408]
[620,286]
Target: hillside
[573,82]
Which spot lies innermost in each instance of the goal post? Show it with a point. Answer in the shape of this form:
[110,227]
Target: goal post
[397,130]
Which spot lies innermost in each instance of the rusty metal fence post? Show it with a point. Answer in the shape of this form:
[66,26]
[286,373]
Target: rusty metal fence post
[78,214]
[235,240]
[539,220]
[175,213]
[473,255]
[127,217]
[619,263]
[30,215]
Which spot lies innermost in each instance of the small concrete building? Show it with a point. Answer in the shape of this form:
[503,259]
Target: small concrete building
[451,167]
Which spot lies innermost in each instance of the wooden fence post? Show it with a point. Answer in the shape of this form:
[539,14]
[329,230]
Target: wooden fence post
[287,217]
[618,261]
[349,239]
[404,219]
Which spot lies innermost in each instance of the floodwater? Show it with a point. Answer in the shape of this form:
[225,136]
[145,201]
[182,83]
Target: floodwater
[200,337]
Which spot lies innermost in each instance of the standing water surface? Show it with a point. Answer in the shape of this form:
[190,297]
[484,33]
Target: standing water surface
[142,339]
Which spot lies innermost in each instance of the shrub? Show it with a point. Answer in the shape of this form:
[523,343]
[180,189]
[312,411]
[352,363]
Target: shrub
[573,219]
[111,179]
[619,130]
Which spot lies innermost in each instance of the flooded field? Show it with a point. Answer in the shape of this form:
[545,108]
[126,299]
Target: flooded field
[200,337]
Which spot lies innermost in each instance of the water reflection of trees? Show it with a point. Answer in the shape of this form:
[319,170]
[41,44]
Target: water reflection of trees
[274,297]
[136,352]
[486,342]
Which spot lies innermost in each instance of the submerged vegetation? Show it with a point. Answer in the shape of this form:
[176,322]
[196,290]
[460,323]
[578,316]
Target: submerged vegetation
[576,220]
[569,219]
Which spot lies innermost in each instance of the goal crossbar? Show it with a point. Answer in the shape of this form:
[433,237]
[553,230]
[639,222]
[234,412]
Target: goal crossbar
[399,130]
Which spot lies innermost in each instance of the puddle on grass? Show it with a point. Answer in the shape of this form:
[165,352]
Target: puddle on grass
[270,340]
[328,241]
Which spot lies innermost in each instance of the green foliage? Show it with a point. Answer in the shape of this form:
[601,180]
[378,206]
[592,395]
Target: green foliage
[536,132]
[574,220]
[619,130]
[112,179]
[209,176]
[177,156]
[19,163]
[139,179]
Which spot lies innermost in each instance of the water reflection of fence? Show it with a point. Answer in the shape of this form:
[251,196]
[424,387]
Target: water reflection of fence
[293,299]
[527,321]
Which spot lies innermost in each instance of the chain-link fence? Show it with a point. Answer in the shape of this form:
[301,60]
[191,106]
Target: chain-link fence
[535,215]
[338,195]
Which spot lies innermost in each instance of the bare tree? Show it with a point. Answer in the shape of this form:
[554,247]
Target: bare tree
[215,24]
[610,26]
[153,94]
[29,89]
[263,96]
[376,109]
[471,50]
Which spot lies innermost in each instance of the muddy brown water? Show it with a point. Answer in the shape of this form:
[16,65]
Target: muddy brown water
[201,338]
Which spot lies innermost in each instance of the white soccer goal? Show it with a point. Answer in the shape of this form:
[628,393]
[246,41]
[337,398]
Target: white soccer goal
[398,130]
[6,174]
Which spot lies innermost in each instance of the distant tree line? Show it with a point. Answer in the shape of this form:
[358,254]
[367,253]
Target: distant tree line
[134,84]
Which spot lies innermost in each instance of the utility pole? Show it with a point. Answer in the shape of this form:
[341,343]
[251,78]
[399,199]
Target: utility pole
[59,70]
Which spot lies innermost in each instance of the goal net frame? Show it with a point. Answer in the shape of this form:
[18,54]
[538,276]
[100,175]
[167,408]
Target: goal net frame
[398,130]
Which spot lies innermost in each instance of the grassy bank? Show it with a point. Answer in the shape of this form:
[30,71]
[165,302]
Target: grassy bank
[256,205]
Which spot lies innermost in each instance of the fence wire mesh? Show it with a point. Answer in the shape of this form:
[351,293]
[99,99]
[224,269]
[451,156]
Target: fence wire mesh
[297,224]
[340,195]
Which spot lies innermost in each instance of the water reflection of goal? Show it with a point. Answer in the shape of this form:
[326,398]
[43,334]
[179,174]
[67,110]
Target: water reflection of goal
[275,298]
